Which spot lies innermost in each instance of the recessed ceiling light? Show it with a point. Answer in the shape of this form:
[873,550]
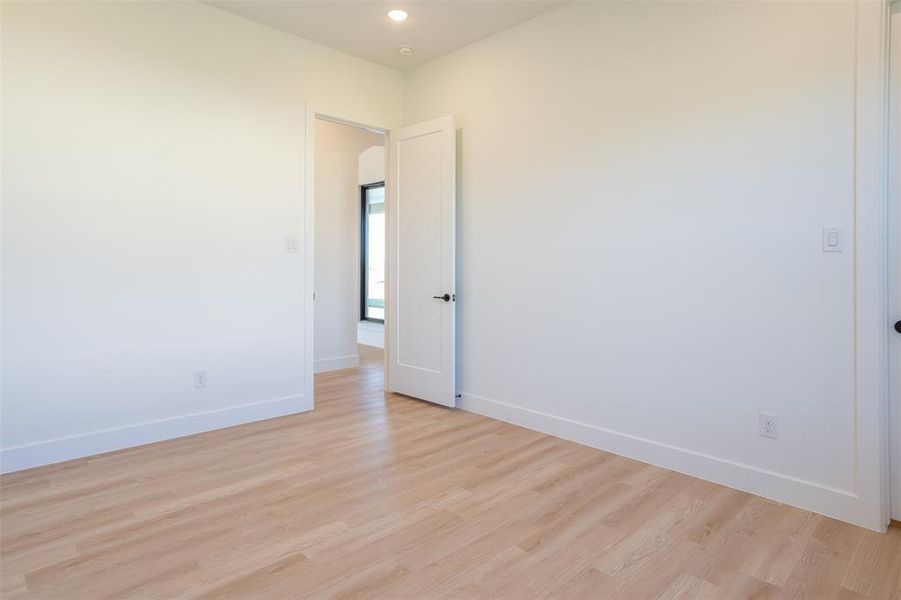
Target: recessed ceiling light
[405,50]
[397,15]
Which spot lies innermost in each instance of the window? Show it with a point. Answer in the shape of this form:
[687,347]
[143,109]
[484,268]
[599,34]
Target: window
[372,243]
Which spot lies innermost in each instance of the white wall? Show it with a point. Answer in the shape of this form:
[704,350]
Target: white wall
[337,191]
[371,167]
[152,169]
[642,189]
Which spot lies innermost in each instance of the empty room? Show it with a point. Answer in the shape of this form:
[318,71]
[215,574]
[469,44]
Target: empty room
[461,299]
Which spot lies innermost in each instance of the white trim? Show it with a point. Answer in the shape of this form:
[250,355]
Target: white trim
[893,464]
[870,205]
[339,362]
[809,495]
[340,121]
[389,185]
[309,253]
[56,450]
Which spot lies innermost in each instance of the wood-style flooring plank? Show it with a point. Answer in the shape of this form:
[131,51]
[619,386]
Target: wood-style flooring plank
[375,495]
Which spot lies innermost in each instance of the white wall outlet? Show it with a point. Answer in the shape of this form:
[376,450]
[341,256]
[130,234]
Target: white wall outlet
[833,239]
[769,426]
[200,379]
[292,245]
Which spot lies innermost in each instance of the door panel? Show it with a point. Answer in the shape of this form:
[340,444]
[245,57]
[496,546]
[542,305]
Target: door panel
[421,223]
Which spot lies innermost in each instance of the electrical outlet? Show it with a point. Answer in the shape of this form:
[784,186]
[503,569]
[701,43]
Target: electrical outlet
[769,426]
[200,379]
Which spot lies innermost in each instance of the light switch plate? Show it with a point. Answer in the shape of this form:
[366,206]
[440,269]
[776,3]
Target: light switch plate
[833,239]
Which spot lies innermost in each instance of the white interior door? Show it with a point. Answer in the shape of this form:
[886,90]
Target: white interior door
[895,260]
[421,279]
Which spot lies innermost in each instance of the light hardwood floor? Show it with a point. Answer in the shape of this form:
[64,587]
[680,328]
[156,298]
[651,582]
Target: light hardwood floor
[383,496]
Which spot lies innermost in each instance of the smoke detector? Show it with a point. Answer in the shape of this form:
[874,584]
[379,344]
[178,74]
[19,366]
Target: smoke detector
[405,50]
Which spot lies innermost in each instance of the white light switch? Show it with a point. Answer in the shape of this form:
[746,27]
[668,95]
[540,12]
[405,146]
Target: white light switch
[292,245]
[833,239]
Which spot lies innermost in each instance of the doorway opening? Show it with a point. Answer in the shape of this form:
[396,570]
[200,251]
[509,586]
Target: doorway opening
[349,249]
[407,276]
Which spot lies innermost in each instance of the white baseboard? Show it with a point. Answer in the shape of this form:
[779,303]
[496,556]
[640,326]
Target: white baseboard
[339,362]
[371,334]
[57,450]
[840,504]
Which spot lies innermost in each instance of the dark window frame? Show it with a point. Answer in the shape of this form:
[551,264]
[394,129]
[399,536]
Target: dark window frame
[364,249]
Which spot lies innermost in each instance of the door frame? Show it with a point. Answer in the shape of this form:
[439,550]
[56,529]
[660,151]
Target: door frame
[893,288]
[868,503]
[314,112]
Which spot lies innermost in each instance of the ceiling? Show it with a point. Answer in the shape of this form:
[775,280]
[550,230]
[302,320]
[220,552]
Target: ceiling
[362,28]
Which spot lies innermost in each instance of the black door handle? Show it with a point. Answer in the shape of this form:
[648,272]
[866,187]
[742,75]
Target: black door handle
[445,297]
[898,326]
